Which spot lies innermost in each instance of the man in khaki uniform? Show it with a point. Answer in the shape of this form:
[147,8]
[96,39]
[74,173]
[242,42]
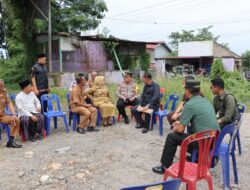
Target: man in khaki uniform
[10,120]
[88,113]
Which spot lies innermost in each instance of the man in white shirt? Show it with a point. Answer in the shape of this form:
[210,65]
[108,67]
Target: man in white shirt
[29,111]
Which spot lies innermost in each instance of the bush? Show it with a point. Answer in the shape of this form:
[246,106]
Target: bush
[217,69]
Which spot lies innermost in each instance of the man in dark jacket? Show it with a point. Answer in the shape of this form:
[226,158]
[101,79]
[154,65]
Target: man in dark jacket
[150,100]
[225,104]
[40,81]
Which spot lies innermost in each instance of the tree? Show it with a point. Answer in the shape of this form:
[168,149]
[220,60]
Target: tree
[77,15]
[193,35]
[246,58]
[22,25]
[217,69]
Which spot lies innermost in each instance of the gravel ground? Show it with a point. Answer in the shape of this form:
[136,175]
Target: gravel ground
[115,157]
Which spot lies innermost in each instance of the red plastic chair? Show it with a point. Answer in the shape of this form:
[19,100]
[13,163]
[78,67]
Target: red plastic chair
[190,172]
[119,115]
[21,134]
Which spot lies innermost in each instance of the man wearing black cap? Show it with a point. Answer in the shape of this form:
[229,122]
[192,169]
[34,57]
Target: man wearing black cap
[29,108]
[126,93]
[198,115]
[40,79]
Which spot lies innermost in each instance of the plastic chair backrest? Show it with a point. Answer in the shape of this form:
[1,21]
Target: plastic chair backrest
[227,130]
[172,184]
[242,108]
[162,90]
[50,98]
[206,143]
[12,97]
[172,98]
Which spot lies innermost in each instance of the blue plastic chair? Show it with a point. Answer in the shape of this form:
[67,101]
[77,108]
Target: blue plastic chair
[223,152]
[99,117]
[12,97]
[72,115]
[242,108]
[53,113]
[7,130]
[4,126]
[173,184]
[173,98]
[76,117]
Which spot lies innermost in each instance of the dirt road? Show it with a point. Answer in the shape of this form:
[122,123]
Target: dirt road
[113,158]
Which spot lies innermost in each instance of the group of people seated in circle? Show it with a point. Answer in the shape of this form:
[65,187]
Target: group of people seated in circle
[194,112]
[88,96]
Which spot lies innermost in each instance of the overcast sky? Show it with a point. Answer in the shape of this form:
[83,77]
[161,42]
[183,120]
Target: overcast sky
[154,20]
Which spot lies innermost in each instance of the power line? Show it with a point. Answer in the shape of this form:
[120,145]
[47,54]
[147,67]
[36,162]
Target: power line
[178,5]
[144,8]
[174,23]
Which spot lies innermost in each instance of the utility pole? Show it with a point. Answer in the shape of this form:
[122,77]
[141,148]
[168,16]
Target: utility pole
[49,37]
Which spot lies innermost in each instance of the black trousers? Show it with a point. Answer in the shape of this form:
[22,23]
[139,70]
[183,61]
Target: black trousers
[33,128]
[172,142]
[138,117]
[45,106]
[121,105]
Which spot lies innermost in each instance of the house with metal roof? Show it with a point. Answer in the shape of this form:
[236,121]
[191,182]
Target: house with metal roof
[200,55]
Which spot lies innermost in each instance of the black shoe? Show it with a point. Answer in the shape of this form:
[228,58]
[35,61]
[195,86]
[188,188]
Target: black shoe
[32,139]
[144,130]
[138,126]
[81,130]
[39,137]
[126,120]
[89,129]
[12,144]
[159,169]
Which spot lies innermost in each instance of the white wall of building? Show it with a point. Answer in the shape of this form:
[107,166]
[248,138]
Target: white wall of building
[161,51]
[197,48]
[229,64]
[66,44]
[160,67]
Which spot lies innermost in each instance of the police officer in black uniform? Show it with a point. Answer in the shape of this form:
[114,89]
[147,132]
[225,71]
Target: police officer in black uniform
[40,79]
